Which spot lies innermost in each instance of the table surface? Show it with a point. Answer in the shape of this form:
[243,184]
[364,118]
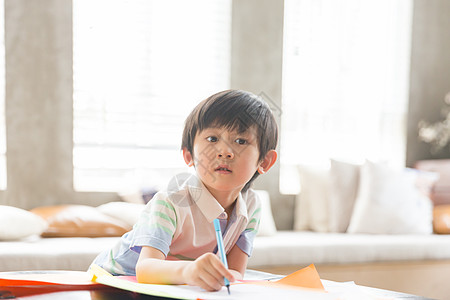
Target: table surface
[116,294]
[109,293]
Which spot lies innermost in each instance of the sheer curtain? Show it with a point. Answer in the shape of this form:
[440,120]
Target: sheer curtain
[139,68]
[345,83]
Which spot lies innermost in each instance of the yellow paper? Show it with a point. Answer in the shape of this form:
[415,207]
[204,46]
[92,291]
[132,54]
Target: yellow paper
[99,275]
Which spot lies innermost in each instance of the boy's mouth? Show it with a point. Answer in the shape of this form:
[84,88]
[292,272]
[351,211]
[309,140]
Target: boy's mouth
[223,169]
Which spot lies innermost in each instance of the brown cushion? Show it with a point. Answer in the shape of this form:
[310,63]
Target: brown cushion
[441,219]
[440,193]
[79,221]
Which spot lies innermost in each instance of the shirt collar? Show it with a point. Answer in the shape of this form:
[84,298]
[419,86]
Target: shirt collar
[206,202]
[209,206]
[241,207]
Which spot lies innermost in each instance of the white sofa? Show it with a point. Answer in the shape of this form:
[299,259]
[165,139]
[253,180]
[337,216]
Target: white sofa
[284,250]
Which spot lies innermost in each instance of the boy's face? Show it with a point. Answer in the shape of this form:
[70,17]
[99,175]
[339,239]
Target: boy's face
[225,160]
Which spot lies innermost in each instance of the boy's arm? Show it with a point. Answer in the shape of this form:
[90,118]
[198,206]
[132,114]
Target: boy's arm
[237,262]
[207,271]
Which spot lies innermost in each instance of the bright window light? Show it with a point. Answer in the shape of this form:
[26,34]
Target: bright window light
[139,69]
[345,83]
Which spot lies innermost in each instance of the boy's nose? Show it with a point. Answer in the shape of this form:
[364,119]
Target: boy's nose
[225,153]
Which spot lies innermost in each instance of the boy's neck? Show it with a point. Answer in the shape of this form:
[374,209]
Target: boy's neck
[226,198]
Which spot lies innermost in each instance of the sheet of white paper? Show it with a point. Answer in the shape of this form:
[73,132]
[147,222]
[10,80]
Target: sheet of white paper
[238,291]
[256,291]
[351,291]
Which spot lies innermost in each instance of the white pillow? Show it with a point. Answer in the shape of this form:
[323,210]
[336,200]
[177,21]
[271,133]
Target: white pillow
[267,225]
[344,184]
[389,202]
[16,223]
[124,211]
[311,205]
[132,197]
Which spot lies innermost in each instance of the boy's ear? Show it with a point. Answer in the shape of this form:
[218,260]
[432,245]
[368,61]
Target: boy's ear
[188,157]
[268,161]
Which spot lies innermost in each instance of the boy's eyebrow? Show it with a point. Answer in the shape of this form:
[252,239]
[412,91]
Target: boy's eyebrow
[210,130]
[219,130]
[215,128]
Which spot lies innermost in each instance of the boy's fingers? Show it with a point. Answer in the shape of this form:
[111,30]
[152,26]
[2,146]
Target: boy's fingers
[210,280]
[216,269]
[213,272]
[223,272]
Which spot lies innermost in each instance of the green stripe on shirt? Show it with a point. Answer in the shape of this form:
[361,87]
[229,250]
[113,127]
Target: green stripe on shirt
[256,211]
[166,204]
[165,217]
[252,221]
[111,256]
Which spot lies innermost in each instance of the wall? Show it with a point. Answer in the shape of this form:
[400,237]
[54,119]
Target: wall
[38,95]
[38,105]
[430,73]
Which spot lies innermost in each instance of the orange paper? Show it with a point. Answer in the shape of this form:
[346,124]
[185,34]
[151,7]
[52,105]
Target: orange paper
[307,277]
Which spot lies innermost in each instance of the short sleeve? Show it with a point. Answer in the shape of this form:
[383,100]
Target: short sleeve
[245,240]
[156,225]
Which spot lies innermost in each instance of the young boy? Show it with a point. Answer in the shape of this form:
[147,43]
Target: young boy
[229,138]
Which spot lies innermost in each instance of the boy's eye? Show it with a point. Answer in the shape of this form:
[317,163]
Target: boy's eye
[212,139]
[241,141]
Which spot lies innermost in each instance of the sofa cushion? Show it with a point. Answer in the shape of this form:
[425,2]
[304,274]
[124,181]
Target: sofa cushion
[311,205]
[441,219]
[125,211]
[440,194]
[344,185]
[267,224]
[17,223]
[79,221]
[389,202]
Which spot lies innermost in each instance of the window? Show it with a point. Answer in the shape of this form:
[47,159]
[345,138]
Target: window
[139,69]
[2,101]
[345,83]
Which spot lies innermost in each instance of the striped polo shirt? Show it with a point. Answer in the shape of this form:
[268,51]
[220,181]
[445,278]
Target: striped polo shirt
[179,223]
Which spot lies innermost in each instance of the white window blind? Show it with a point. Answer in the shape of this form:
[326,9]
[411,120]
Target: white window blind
[140,67]
[2,100]
[345,83]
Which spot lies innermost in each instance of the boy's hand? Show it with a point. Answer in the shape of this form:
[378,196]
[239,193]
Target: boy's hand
[207,272]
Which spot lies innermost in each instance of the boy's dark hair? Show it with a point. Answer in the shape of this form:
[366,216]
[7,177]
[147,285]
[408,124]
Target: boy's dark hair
[235,110]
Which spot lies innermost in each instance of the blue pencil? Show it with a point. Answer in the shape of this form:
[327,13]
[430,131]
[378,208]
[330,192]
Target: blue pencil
[221,250]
